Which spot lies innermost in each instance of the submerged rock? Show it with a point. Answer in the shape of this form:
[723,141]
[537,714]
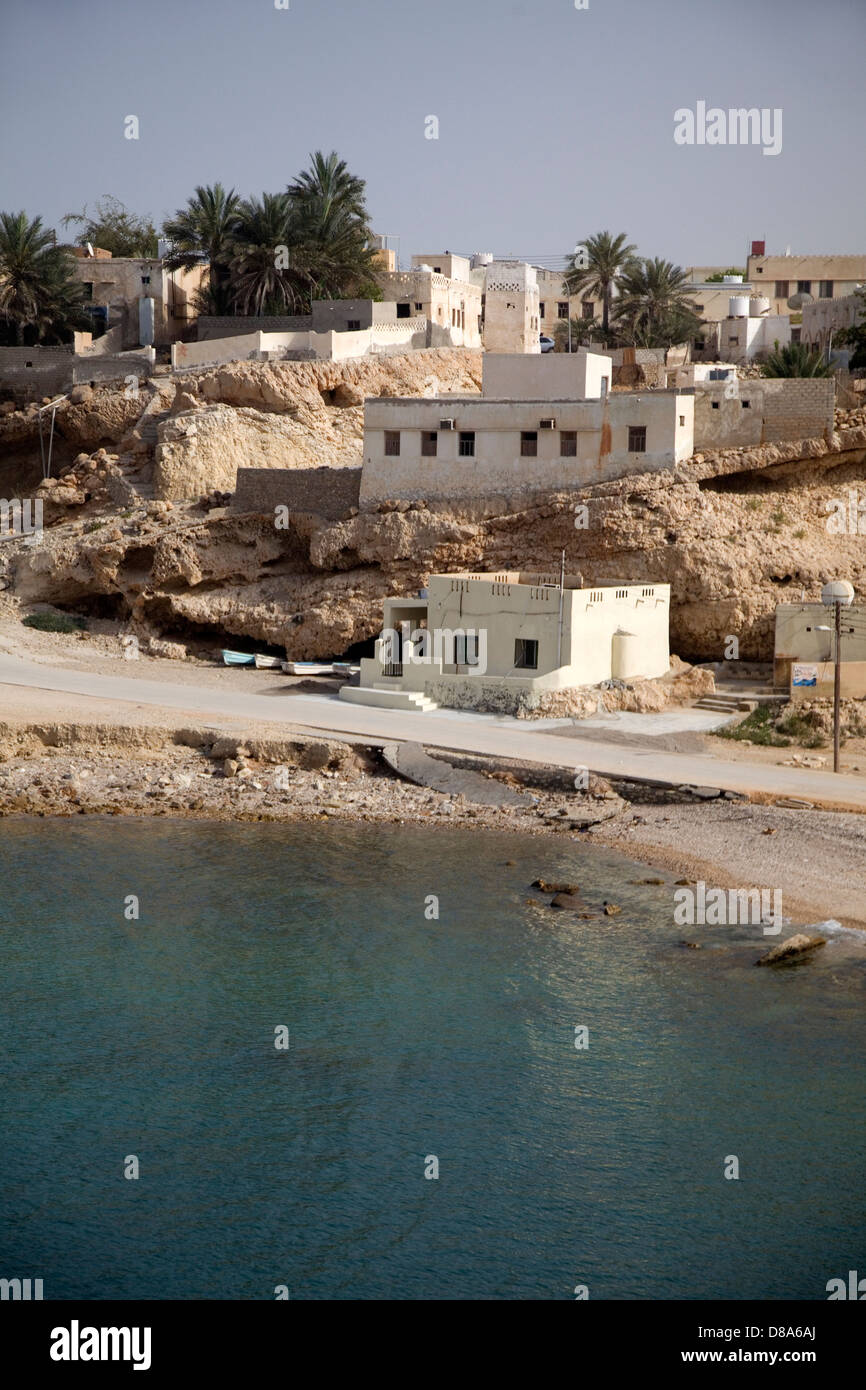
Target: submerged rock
[794,946]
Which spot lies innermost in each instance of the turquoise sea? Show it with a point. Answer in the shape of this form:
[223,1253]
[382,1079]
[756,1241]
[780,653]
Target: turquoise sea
[411,1038]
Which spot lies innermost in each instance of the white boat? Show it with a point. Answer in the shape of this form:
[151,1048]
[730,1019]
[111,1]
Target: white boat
[268,663]
[308,668]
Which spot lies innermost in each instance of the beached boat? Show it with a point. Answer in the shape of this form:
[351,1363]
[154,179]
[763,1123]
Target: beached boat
[308,668]
[267,663]
[238,658]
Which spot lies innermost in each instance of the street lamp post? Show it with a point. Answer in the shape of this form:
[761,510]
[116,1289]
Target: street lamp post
[836,594]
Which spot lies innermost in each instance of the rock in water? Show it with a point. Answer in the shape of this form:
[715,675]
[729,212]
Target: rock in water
[795,946]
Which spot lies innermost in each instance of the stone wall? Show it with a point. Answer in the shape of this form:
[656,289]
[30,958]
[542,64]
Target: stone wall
[30,373]
[328,492]
[764,411]
[229,326]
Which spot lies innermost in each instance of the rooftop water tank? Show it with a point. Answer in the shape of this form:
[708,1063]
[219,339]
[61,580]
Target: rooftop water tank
[481,258]
[732,279]
[758,305]
[738,306]
[424,266]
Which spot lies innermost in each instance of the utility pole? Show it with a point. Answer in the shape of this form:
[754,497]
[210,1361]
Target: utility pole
[837,685]
[561,595]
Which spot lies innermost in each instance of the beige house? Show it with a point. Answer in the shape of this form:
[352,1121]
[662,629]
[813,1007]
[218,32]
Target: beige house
[473,640]
[823,277]
[511,313]
[449,301]
[805,650]
[542,423]
[136,300]
[824,320]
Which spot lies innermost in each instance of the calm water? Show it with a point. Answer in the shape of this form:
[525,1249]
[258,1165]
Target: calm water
[409,1038]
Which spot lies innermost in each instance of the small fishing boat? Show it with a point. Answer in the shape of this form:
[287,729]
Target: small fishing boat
[238,658]
[267,663]
[308,668]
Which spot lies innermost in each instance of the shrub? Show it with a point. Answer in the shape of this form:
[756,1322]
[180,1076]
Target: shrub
[757,727]
[55,622]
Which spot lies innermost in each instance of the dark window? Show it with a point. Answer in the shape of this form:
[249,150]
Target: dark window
[392,443]
[467,444]
[700,344]
[145,279]
[568,444]
[404,311]
[526,654]
[562,309]
[783,289]
[88,289]
[588,309]
[682,419]
[735,342]
[528,444]
[353,325]
[429,444]
[826,290]
[637,439]
[541,311]
[715,405]
[465,649]
[747,405]
[804,286]
[418,307]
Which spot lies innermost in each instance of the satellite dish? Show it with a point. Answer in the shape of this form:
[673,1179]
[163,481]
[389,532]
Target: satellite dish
[90,250]
[797,301]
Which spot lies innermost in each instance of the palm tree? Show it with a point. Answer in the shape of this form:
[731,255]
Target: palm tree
[38,289]
[596,266]
[581,331]
[269,270]
[329,188]
[655,306]
[206,228]
[796,359]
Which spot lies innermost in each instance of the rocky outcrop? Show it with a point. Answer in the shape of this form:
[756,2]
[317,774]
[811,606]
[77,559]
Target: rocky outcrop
[797,945]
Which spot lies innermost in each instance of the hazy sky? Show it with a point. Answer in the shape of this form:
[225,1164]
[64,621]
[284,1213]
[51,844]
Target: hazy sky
[554,122]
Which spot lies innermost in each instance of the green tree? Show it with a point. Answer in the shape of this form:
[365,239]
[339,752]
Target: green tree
[40,298]
[796,359]
[855,336]
[113,227]
[270,273]
[596,268]
[205,230]
[655,306]
[330,229]
[582,331]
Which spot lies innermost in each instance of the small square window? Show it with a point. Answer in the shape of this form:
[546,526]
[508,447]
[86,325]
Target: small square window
[429,444]
[562,309]
[353,325]
[783,289]
[804,286]
[392,443]
[715,405]
[747,405]
[568,444]
[145,279]
[526,654]
[682,419]
[467,444]
[404,311]
[637,439]
[528,444]
[418,307]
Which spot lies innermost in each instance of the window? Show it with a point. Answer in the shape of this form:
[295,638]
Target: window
[418,307]
[526,654]
[637,439]
[715,405]
[438,269]
[353,325]
[700,344]
[804,286]
[562,309]
[145,279]
[465,649]
[783,289]
[588,309]
[747,405]
[392,443]
[682,419]
[734,342]
[826,290]
[404,311]
[541,311]
[429,444]
[467,444]
[88,289]
[528,444]
[568,444]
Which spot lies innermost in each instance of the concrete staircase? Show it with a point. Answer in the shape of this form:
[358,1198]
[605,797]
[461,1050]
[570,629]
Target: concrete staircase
[386,697]
[730,700]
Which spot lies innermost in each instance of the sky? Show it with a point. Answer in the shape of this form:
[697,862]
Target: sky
[553,122]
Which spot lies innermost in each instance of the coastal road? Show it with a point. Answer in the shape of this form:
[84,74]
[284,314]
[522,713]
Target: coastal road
[494,736]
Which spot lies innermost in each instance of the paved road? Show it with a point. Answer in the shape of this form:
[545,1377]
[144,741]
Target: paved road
[495,736]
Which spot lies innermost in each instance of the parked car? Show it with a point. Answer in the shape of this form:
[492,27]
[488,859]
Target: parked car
[547,344]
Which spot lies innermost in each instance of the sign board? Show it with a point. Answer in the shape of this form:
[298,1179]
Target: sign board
[804,674]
